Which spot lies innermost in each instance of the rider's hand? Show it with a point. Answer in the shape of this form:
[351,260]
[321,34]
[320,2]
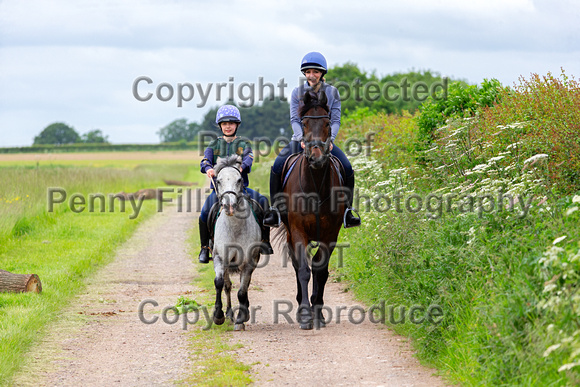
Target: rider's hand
[302,144]
[331,146]
[210,173]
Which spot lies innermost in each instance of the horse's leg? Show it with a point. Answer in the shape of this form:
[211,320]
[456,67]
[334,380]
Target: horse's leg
[218,314]
[292,254]
[319,277]
[228,288]
[302,268]
[244,302]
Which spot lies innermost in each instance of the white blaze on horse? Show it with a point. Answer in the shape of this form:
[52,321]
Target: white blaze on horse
[237,241]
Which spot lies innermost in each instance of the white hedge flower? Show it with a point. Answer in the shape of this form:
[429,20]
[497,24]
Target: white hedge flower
[537,157]
[559,239]
[551,349]
[568,366]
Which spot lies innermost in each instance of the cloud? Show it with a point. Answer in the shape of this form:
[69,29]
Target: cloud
[76,61]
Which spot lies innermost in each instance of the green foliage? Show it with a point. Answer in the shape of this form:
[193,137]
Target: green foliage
[507,279]
[390,137]
[394,93]
[57,134]
[462,101]
[179,131]
[95,136]
[271,119]
[548,109]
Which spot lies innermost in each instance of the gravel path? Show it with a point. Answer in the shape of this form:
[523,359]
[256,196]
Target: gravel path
[343,353]
[101,341]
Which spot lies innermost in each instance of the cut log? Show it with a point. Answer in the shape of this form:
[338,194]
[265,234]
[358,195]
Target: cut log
[19,283]
[179,183]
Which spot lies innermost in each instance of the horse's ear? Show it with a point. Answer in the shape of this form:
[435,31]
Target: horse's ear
[307,98]
[322,100]
[239,162]
[218,165]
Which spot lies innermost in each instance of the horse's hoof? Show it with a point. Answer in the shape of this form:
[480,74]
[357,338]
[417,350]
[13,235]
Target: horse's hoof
[218,317]
[306,326]
[319,323]
[230,314]
[240,327]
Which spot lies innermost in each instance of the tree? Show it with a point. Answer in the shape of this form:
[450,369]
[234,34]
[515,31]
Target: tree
[393,93]
[270,119]
[58,133]
[94,136]
[179,130]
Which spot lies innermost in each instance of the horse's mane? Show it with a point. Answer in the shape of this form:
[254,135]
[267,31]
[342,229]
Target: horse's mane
[311,100]
[230,161]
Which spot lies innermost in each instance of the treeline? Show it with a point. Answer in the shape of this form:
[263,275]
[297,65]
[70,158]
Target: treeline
[60,133]
[102,147]
[270,119]
[395,93]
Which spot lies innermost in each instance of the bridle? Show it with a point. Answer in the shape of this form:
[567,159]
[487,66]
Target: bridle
[222,194]
[317,143]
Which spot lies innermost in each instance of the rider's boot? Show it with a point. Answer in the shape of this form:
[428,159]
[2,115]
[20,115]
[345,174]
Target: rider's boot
[272,216]
[266,248]
[204,241]
[350,219]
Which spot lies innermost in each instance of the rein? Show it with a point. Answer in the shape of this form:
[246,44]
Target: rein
[326,146]
[317,189]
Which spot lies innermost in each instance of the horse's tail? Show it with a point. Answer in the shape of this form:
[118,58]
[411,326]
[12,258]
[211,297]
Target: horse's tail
[279,239]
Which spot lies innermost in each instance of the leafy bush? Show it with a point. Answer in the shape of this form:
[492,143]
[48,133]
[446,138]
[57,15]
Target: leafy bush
[548,109]
[462,101]
[510,304]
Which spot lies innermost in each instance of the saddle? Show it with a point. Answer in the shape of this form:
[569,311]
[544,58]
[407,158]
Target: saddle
[291,161]
[215,210]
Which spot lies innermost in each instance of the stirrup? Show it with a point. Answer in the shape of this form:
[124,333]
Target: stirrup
[273,210]
[357,218]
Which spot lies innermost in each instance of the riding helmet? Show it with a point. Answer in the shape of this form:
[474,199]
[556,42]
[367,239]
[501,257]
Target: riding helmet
[314,60]
[228,113]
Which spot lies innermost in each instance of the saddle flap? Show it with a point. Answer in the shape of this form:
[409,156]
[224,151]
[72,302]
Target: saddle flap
[215,211]
[288,166]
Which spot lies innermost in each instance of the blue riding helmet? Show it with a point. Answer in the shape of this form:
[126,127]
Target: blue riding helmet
[228,113]
[314,60]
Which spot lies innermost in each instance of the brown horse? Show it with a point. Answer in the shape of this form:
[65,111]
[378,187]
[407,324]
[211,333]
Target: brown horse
[315,205]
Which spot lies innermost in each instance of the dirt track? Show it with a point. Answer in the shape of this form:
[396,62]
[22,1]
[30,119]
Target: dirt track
[101,341]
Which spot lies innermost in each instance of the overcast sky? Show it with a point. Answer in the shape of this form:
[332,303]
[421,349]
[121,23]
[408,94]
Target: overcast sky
[76,61]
